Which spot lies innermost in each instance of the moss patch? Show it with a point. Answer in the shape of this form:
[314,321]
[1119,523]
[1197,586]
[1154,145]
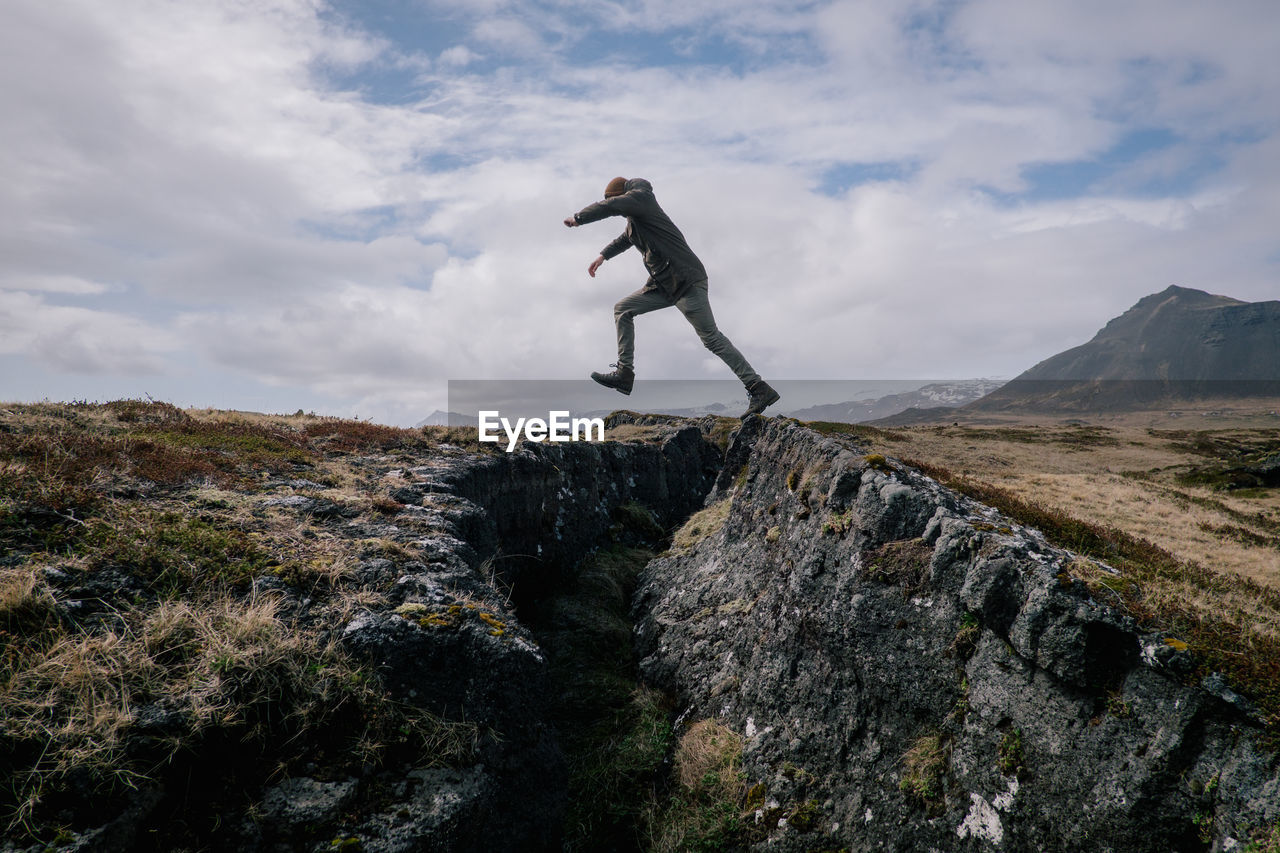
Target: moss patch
[923,767]
[1011,754]
[703,523]
[904,562]
[172,552]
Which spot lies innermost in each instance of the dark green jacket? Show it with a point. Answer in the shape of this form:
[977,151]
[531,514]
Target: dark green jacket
[672,265]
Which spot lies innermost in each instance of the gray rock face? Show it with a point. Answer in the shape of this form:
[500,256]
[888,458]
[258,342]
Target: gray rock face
[849,618]
[451,641]
[440,624]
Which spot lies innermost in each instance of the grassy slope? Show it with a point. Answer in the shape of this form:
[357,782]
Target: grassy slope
[134,651]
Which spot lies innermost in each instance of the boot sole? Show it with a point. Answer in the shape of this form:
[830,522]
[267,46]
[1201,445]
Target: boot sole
[598,381]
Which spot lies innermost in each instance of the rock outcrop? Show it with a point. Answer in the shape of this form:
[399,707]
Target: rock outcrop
[908,670]
[913,672]
[450,641]
[430,614]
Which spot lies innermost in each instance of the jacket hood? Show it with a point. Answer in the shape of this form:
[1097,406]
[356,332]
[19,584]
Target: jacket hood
[639,184]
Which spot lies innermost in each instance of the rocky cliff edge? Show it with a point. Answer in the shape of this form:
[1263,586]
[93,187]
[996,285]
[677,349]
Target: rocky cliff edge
[911,671]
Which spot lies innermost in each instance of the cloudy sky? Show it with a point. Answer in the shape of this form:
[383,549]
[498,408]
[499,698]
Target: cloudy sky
[337,205]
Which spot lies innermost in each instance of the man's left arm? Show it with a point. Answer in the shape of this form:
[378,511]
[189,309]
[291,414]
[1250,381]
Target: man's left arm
[616,206]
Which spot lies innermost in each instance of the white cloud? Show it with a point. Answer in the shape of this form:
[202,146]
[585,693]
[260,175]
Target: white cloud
[79,340]
[51,284]
[458,56]
[215,181]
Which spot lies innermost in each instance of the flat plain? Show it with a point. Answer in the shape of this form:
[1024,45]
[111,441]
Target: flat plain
[1190,491]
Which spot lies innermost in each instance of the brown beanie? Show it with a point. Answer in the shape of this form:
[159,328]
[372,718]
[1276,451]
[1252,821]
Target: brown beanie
[616,187]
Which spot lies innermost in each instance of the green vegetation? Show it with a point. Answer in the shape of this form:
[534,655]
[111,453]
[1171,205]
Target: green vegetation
[1010,754]
[721,430]
[171,552]
[1232,457]
[636,521]
[1117,706]
[613,775]
[616,734]
[861,431]
[1072,436]
[805,816]
[966,639]
[704,809]
[246,444]
[1265,841]
[924,765]
[839,523]
[632,785]
[963,705]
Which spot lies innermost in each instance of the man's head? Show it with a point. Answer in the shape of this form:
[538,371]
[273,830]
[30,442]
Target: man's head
[616,187]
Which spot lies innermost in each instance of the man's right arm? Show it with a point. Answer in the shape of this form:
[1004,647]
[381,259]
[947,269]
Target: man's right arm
[627,204]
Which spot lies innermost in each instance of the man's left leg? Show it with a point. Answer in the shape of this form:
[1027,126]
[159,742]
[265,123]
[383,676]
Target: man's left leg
[644,300]
[696,308]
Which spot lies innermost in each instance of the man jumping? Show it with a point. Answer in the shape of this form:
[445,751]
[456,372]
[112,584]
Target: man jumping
[676,277]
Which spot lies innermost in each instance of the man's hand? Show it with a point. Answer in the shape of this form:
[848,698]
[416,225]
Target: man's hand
[595,265]
[569,221]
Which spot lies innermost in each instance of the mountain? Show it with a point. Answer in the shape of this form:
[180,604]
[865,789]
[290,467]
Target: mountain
[442,418]
[947,395]
[1176,346]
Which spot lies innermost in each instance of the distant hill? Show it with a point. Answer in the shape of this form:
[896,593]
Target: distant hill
[442,418]
[1173,347]
[945,395]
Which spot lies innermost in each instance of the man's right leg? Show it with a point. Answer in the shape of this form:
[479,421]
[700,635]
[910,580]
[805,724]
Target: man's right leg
[643,301]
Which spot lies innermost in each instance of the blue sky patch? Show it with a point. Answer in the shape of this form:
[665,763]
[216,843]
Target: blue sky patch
[842,177]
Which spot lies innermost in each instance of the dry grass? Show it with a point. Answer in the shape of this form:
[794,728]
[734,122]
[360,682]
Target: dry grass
[222,664]
[26,605]
[705,810]
[709,757]
[635,433]
[703,523]
[923,766]
[173,499]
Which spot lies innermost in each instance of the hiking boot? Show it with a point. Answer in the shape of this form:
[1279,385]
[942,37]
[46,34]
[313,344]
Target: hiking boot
[619,380]
[761,397]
